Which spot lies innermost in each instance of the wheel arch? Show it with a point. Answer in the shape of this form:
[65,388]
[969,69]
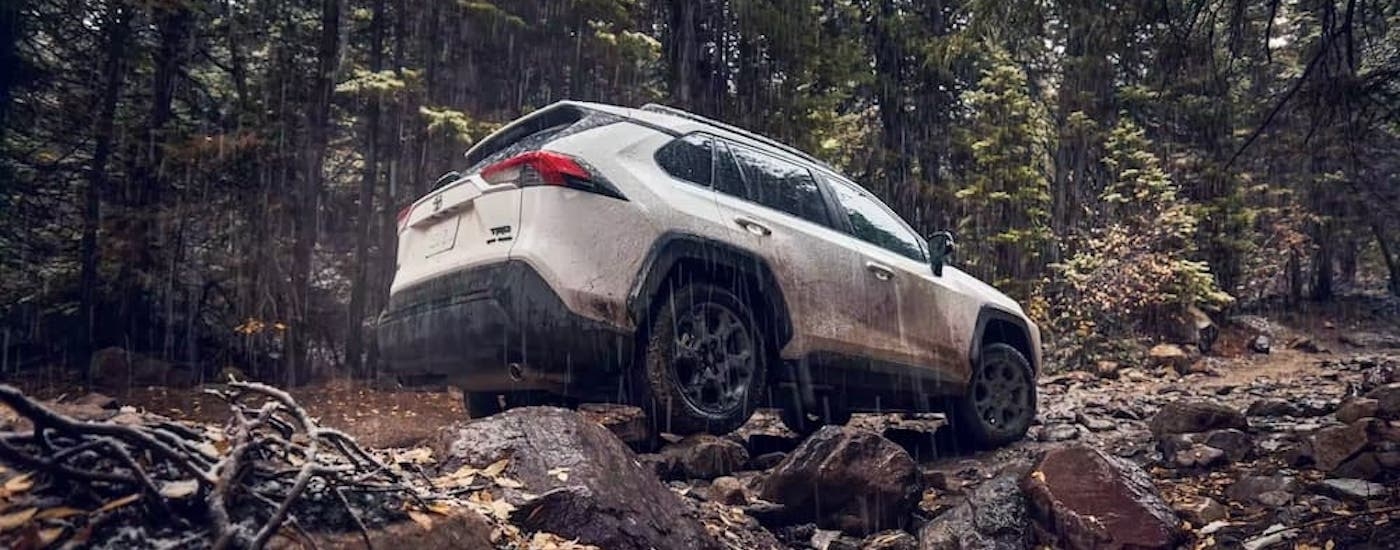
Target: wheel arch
[675,254]
[997,325]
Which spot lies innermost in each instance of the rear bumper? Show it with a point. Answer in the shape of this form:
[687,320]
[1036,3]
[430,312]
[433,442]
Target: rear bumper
[499,327]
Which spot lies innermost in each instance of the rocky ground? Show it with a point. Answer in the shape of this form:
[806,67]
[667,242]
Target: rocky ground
[1283,438]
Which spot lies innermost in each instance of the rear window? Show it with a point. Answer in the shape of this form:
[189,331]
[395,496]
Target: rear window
[688,158]
[534,132]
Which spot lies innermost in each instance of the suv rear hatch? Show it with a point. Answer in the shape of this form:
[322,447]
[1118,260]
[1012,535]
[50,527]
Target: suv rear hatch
[474,219]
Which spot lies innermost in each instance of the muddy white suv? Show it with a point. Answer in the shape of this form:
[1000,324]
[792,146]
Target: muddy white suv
[654,257]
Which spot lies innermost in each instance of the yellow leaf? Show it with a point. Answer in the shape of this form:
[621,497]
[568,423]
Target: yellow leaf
[118,503]
[440,508]
[496,468]
[58,513]
[49,536]
[423,520]
[18,484]
[509,483]
[16,519]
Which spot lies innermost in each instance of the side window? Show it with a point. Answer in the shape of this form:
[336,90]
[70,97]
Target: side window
[781,185]
[872,223]
[728,179]
[687,158]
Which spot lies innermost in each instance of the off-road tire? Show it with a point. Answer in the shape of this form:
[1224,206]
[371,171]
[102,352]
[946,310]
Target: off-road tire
[656,388]
[1000,403]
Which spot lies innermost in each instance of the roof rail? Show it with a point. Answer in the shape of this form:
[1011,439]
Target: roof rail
[665,109]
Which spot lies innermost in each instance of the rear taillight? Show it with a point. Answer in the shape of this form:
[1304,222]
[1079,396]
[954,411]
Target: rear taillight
[548,168]
[403,217]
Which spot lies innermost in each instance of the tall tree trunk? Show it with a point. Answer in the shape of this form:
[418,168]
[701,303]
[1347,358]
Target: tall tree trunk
[11,29]
[307,215]
[354,340]
[113,73]
[1392,263]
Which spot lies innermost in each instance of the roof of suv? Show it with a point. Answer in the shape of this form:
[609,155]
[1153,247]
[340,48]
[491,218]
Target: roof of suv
[683,122]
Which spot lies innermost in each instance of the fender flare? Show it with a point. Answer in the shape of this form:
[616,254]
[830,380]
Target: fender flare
[985,316]
[672,248]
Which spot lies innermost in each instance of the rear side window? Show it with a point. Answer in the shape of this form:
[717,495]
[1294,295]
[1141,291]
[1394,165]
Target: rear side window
[534,132]
[688,158]
[781,185]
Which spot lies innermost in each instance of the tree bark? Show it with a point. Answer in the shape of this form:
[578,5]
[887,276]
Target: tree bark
[309,201]
[118,30]
[1392,264]
[354,336]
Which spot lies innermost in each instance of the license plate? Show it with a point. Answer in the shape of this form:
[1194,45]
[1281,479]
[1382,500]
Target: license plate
[441,237]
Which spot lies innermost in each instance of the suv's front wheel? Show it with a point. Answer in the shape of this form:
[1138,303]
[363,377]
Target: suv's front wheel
[1000,403]
[704,362]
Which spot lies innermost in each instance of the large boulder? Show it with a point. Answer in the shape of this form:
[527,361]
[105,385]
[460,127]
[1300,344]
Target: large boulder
[1331,447]
[1195,416]
[993,516]
[1172,355]
[1387,400]
[845,478]
[590,484]
[1092,500]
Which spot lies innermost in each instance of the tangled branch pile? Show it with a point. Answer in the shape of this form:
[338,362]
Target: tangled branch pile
[234,487]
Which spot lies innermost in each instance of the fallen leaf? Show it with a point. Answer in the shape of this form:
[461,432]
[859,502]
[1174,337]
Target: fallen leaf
[118,503]
[423,520]
[509,483]
[16,519]
[440,508]
[179,489]
[58,513]
[50,535]
[18,484]
[496,468]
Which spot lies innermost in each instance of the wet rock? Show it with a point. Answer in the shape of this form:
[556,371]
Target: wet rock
[1236,444]
[1306,345]
[1330,447]
[1253,324]
[846,478]
[1272,490]
[626,422]
[1095,424]
[728,490]
[1092,500]
[767,460]
[1271,407]
[1107,369]
[1171,355]
[833,540]
[1200,510]
[1387,400]
[1362,466]
[1355,489]
[704,456]
[765,433]
[1358,408]
[608,500]
[993,516]
[1199,456]
[1059,432]
[890,540]
[1195,416]
[1363,339]
[1259,344]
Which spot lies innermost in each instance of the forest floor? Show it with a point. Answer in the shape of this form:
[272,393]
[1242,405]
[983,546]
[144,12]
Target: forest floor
[1267,496]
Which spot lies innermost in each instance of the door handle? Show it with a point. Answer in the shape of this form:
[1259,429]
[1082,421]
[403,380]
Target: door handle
[753,226]
[881,271]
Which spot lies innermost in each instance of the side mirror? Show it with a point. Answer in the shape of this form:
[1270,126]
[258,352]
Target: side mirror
[941,246]
[447,178]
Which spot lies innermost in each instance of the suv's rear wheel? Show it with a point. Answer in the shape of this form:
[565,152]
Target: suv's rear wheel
[704,362]
[1000,403]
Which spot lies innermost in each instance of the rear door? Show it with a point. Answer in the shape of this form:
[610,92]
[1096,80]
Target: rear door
[779,210]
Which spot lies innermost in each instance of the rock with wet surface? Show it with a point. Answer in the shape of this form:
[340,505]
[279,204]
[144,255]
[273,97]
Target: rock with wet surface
[1195,416]
[1092,500]
[1356,489]
[1273,490]
[1200,510]
[727,490]
[703,456]
[846,478]
[993,516]
[1330,447]
[608,500]
[1177,357]
[1236,444]
[1272,407]
[1387,400]
[1358,408]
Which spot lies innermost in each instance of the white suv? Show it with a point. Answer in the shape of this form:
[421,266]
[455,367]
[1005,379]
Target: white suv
[654,257]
